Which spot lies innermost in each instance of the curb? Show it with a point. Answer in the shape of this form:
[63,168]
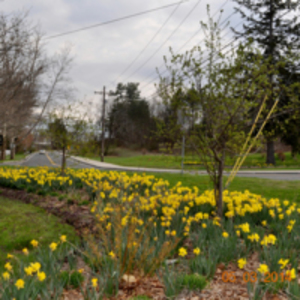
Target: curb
[121,168]
[202,172]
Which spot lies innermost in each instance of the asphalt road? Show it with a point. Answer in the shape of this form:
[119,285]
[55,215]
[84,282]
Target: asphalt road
[52,159]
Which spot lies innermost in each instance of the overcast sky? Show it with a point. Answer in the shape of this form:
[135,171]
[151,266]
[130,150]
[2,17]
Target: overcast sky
[101,54]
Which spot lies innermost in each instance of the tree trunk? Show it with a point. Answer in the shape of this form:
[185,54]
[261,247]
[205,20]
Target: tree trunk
[270,153]
[3,153]
[219,188]
[219,195]
[63,161]
[12,152]
[12,149]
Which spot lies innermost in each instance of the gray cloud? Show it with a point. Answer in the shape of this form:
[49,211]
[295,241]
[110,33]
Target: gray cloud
[102,53]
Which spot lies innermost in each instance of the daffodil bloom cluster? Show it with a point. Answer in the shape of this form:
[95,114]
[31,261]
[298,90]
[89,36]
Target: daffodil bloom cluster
[245,227]
[153,214]
[28,276]
[254,237]
[291,225]
[269,239]
[35,268]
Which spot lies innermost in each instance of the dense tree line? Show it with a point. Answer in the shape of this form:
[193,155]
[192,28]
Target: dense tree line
[130,122]
[270,25]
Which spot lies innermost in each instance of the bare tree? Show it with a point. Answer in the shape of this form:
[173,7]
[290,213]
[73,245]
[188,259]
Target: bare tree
[29,80]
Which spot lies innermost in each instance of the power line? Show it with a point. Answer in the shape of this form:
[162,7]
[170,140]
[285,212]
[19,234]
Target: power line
[151,40]
[185,44]
[114,20]
[194,34]
[229,44]
[173,32]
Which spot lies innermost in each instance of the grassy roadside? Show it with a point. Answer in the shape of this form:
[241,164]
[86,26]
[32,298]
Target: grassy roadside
[253,161]
[268,188]
[18,156]
[20,223]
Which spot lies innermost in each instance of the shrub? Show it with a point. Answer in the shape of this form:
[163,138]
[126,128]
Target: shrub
[65,278]
[130,241]
[53,194]
[281,155]
[61,197]
[191,282]
[70,201]
[42,193]
[84,202]
[30,189]
[76,279]
[140,298]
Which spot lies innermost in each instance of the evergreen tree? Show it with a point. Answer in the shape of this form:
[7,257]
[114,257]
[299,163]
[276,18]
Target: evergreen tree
[129,117]
[267,22]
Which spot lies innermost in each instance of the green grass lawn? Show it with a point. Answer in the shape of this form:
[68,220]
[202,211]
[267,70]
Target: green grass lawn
[281,189]
[255,160]
[18,156]
[20,223]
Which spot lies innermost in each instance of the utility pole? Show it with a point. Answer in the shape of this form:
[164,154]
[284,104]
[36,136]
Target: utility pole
[1,144]
[12,148]
[103,124]
[3,152]
[182,153]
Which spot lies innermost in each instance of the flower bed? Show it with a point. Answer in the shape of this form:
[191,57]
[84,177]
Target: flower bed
[141,223]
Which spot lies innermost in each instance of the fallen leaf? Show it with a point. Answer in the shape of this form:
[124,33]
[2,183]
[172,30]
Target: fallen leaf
[129,278]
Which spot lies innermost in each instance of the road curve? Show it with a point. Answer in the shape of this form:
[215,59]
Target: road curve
[53,159]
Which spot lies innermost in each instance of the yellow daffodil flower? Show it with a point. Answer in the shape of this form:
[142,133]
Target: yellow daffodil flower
[20,283]
[197,251]
[242,262]
[94,282]
[182,252]
[34,243]
[53,246]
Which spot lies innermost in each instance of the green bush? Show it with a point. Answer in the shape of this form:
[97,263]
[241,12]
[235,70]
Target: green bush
[42,193]
[70,201]
[203,265]
[191,282]
[84,202]
[65,278]
[30,189]
[73,279]
[76,279]
[140,298]
[61,197]
[53,194]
